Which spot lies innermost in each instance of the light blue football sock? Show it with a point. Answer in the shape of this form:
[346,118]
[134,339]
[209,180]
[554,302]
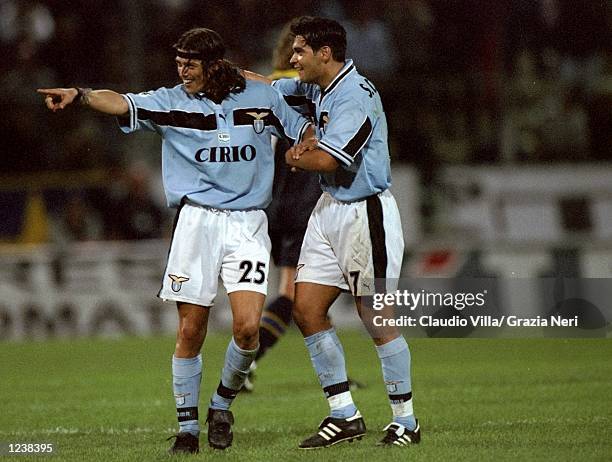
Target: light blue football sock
[327,358]
[395,361]
[233,375]
[186,378]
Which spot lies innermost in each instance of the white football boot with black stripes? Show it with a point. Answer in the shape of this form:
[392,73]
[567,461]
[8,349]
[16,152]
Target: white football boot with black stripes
[398,435]
[335,430]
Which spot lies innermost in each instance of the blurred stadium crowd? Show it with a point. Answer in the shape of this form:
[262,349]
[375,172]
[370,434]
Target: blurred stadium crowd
[463,82]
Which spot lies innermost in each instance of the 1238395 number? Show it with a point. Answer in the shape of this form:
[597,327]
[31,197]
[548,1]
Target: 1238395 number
[27,448]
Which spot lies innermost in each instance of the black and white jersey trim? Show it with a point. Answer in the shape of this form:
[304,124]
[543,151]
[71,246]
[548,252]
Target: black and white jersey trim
[301,100]
[336,153]
[129,120]
[347,154]
[336,81]
[133,112]
[302,130]
[180,119]
[358,141]
[281,129]
[198,121]
[173,118]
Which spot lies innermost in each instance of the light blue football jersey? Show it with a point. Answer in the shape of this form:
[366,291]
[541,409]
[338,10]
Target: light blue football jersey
[351,127]
[216,155]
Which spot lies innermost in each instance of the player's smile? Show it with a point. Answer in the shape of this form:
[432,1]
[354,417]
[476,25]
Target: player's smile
[191,74]
[303,59]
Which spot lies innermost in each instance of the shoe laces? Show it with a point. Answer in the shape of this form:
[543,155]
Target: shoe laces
[392,434]
[395,429]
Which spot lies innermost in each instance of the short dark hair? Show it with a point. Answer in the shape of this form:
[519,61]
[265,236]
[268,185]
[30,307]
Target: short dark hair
[222,77]
[319,32]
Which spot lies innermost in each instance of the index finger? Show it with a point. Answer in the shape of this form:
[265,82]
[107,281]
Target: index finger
[49,91]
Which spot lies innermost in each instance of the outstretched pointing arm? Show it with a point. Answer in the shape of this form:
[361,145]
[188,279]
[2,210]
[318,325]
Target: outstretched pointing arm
[106,101]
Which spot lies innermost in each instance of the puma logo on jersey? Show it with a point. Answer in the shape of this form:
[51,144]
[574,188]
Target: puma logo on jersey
[177,282]
[258,124]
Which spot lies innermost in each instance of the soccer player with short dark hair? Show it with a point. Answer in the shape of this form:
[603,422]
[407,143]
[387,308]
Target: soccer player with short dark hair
[217,166]
[294,196]
[354,235]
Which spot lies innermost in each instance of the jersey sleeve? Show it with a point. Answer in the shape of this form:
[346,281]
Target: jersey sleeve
[288,123]
[297,95]
[141,106]
[287,86]
[346,132]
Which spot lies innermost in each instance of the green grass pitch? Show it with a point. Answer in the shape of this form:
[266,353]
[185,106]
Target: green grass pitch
[477,399]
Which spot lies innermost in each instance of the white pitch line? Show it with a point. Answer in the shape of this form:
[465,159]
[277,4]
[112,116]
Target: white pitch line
[87,431]
[552,420]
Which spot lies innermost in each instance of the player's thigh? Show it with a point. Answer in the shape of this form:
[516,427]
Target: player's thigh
[195,316]
[311,304]
[194,258]
[246,262]
[318,262]
[369,245]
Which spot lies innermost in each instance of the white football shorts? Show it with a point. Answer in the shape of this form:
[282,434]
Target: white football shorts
[208,243]
[351,244]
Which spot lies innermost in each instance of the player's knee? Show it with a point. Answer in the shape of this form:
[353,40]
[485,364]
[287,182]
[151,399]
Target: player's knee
[301,316]
[190,335]
[298,316]
[246,335]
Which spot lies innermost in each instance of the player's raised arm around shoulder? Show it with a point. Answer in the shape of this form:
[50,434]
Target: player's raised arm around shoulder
[105,101]
[250,75]
[291,124]
[286,85]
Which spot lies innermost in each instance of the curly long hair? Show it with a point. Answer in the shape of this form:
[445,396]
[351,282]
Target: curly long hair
[222,76]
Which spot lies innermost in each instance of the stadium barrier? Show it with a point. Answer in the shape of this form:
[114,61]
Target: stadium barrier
[109,288]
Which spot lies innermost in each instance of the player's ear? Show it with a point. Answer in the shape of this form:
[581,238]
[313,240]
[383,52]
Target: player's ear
[326,53]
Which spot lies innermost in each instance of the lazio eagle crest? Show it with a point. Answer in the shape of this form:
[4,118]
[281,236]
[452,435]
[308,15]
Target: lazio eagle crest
[258,121]
[177,282]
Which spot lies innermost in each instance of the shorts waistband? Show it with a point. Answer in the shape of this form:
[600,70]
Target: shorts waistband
[328,195]
[218,210]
